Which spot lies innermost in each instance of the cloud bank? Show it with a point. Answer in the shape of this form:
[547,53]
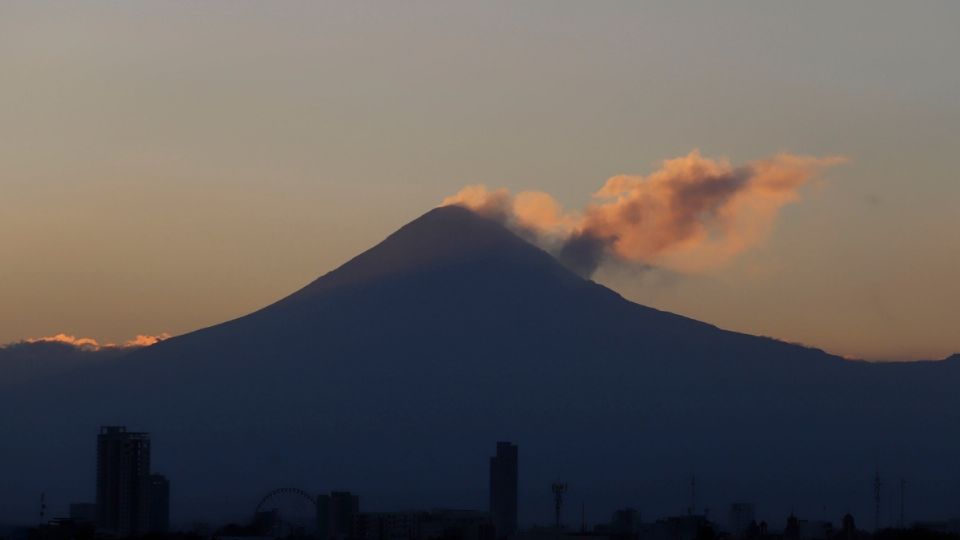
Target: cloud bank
[35,358]
[91,344]
[694,214]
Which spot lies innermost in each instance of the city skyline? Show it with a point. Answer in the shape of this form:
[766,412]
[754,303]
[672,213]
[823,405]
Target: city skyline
[132,501]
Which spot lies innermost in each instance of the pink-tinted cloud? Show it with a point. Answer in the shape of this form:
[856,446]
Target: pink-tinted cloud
[145,340]
[91,344]
[80,343]
[694,214]
[533,211]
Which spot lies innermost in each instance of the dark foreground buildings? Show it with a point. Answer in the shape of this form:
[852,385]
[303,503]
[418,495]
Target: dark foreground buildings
[503,490]
[432,525]
[159,517]
[130,501]
[335,515]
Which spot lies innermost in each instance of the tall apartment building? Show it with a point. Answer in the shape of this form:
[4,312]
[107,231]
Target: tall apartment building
[123,481]
[503,490]
[159,504]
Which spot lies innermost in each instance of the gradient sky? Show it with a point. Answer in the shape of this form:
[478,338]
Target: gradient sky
[168,166]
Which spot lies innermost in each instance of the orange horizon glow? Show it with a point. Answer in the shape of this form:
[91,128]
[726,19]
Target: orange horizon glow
[165,169]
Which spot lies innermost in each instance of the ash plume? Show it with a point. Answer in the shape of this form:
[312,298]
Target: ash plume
[583,252]
[693,214]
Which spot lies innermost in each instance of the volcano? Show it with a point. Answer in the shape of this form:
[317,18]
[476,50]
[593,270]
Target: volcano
[394,375]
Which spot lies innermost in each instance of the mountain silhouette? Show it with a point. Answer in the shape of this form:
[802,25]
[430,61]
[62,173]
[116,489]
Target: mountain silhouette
[394,375]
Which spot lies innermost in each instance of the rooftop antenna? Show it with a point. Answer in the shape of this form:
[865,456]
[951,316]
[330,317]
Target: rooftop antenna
[877,484]
[559,488]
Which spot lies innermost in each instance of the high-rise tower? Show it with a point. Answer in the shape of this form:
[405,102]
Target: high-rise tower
[503,490]
[123,481]
[335,513]
[159,504]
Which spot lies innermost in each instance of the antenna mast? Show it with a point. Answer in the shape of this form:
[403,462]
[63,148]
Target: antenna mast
[559,488]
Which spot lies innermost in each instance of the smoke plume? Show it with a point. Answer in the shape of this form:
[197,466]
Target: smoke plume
[694,214]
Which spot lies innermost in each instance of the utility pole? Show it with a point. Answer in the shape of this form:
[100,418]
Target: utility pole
[877,484]
[43,507]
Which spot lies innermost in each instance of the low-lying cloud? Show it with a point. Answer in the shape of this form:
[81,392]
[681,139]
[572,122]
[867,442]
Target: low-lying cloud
[91,344]
[692,215]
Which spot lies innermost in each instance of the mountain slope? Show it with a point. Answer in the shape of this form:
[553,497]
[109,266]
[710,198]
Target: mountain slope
[394,374]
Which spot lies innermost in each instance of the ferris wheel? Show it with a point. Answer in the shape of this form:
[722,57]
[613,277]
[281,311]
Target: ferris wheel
[287,512]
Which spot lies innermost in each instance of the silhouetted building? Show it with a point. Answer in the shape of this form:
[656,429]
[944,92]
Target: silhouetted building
[265,522]
[792,530]
[385,526]
[503,490]
[949,527]
[335,514]
[625,522]
[848,530]
[691,527]
[159,504]
[454,525]
[123,481]
[802,529]
[432,525]
[83,512]
[742,517]
[62,529]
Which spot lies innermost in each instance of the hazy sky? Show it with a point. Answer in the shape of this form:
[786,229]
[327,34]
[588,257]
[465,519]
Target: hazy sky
[166,166]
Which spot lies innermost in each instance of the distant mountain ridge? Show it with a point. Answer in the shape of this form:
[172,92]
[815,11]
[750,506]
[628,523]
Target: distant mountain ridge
[27,361]
[394,375]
